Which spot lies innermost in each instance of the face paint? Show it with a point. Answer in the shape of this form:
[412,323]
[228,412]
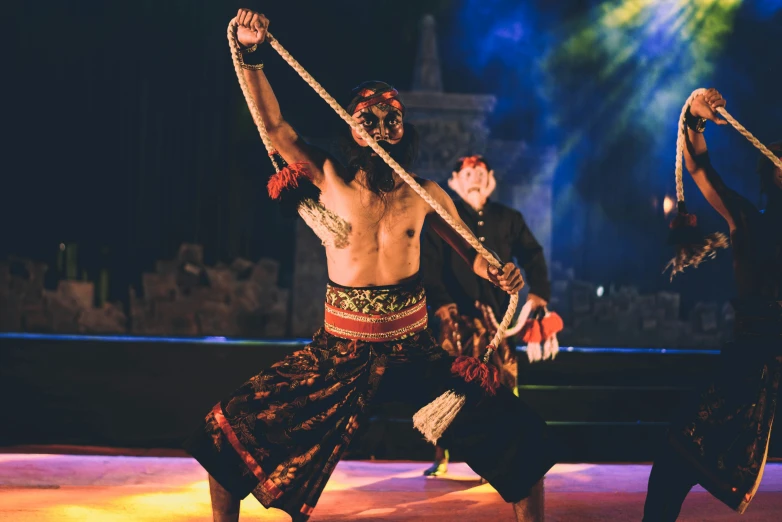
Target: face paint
[377,108]
[382,121]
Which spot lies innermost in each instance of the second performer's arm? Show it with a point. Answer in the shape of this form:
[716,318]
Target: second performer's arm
[730,205]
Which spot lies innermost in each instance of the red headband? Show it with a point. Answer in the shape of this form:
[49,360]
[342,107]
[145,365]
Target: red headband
[388,97]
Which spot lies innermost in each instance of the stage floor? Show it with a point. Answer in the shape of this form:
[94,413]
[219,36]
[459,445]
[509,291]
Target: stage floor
[65,488]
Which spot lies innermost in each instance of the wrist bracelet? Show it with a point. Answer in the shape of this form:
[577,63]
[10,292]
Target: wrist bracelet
[693,123]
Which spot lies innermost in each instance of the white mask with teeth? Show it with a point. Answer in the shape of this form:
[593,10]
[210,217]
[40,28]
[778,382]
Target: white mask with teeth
[474,184]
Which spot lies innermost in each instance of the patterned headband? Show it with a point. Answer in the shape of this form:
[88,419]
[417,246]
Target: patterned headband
[368,97]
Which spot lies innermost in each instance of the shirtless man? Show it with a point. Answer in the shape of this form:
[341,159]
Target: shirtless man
[280,435]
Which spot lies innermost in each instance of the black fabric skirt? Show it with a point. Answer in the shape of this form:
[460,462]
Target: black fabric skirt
[280,435]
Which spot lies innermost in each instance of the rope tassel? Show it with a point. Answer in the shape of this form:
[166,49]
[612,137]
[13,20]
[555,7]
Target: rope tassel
[287,178]
[550,326]
[433,419]
[692,247]
[533,336]
[473,370]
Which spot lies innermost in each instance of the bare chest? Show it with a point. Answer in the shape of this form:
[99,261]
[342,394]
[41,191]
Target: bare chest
[376,221]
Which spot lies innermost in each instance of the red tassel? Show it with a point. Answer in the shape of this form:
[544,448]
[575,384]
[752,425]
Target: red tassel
[551,324]
[531,332]
[287,178]
[684,220]
[471,369]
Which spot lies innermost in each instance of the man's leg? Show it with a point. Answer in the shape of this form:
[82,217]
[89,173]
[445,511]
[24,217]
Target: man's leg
[669,483]
[225,506]
[440,465]
[498,436]
[531,509]
[505,442]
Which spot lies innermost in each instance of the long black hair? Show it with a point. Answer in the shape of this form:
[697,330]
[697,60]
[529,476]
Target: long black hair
[379,176]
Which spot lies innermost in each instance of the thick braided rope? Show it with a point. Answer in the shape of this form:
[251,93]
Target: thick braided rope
[512,330]
[752,139]
[680,140]
[342,113]
[681,143]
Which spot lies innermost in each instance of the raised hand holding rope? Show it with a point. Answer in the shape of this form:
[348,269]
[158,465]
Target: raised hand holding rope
[692,247]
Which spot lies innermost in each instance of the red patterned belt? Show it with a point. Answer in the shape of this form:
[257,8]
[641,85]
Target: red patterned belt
[376,328]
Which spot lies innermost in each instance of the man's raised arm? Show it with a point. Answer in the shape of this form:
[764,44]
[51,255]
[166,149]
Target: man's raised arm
[251,31]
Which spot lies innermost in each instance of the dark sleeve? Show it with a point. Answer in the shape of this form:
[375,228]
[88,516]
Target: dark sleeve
[738,206]
[526,249]
[432,266]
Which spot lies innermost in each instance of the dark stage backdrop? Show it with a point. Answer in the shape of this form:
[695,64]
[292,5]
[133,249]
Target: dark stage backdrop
[128,394]
[129,134]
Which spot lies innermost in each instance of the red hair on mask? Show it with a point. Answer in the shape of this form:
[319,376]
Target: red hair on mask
[471,161]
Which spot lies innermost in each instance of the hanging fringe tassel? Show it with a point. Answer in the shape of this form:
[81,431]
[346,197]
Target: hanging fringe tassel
[472,370]
[534,352]
[550,325]
[692,248]
[533,336]
[287,178]
[550,348]
[330,228]
[433,419]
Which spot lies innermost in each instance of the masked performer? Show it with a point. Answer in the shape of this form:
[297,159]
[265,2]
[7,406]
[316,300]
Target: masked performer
[463,301]
[280,435]
[720,440]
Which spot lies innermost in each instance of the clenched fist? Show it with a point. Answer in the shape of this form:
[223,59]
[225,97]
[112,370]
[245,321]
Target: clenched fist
[251,27]
[705,106]
[509,279]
